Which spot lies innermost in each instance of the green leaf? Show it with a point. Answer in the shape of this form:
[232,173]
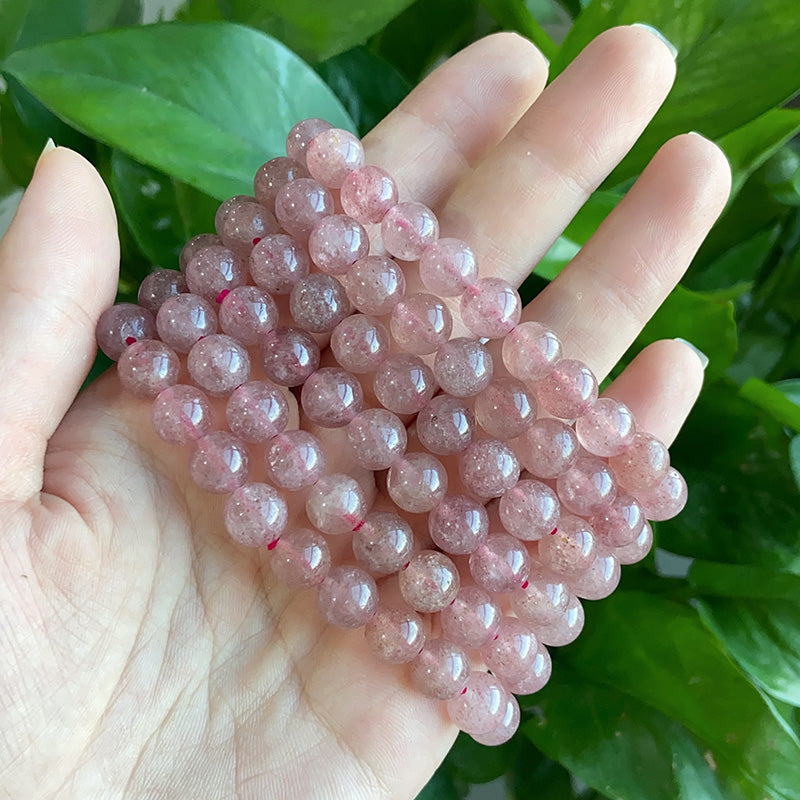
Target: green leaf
[736,581]
[794,459]
[12,18]
[439,787]
[773,401]
[515,15]
[206,104]
[535,775]
[790,389]
[474,763]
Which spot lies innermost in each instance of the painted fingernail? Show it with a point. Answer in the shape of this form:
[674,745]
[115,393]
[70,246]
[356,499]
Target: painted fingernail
[657,33]
[700,354]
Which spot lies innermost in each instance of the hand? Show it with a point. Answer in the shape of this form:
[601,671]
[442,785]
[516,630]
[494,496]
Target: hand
[144,654]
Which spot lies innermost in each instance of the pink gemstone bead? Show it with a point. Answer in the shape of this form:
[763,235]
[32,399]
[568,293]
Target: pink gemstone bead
[537,676]
[257,411]
[147,368]
[336,243]
[289,356]
[417,482]
[542,602]
[481,708]
[511,652]
[599,580]
[184,319]
[215,270]
[530,510]
[219,462]
[195,245]
[332,154]
[588,487]
[643,465]
[377,438]
[571,549]
[218,364]
[319,303]
[331,397]
[336,504]
[384,543]
[395,635]
[500,563]
[568,391]
[272,176]
[636,551]
[375,285]
[430,582]
[458,524]
[566,628]
[225,208]
[277,263]
[447,267]
[472,619]
[421,323]
[295,459]
[301,134]
[367,194]
[607,428]
[245,225]
[505,408]
[488,468]
[491,308]
[440,670]
[360,343]
[463,367]
[619,524]
[404,383]
[446,425]
[160,285]
[247,314]
[505,729]
[122,325]
[300,205]
[664,501]
[255,515]
[301,558]
[181,414]
[348,597]
[548,448]
[530,351]
[407,229]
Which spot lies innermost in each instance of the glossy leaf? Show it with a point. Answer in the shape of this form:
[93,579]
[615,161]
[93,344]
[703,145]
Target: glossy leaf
[790,389]
[794,459]
[12,19]
[440,787]
[475,763]
[736,581]
[773,401]
[516,16]
[535,775]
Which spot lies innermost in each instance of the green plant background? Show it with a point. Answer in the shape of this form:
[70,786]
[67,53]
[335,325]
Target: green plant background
[686,683]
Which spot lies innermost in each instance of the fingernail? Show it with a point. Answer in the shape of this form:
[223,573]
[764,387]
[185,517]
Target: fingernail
[657,33]
[49,145]
[700,354]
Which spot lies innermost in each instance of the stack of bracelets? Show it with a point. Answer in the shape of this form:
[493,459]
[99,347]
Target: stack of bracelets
[556,486]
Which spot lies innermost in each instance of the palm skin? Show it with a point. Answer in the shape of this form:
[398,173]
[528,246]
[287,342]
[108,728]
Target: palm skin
[146,655]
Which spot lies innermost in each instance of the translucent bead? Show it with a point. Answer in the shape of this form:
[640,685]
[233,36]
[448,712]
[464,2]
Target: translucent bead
[481,707]
[348,597]
[214,271]
[463,367]
[331,397]
[301,558]
[404,383]
[568,391]
[377,438]
[472,619]
[225,208]
[491,308]
[289,356]
[488,468]
[160,285]
[185,319]
[332,154]
[566,628]
[440,670]
[360,343]
[505,729]
[121,326]
[571,549]
[295,459]
[300,205]
[181,414]
[530,351]
[530,510]
[430,582]
[541,601]
[664,500]
[447,267]
[500,563]
[257,411]
[643,465]
[458,524]
[421,323]
[505,408]
[375,285]
[245,225]
[395,635]
[218,364]
[367,194]
[147,368]
[336,504]
[301,134]
[219,462]
[407,229]
[548,448]
[599,580]
[195,245]
[272,176]
[247,314]
[384,543]
[277,263]
[319,303]
[636,551]
[417,482]
[255,515]
[619,524]
[537,676]
[511,651]
[446,425]
[607,428]
[336,243]
[588,487]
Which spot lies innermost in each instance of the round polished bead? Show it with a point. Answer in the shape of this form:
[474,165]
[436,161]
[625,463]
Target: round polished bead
[319,303]
[530,351]
[396,635]
[505,729]
[481,708]
[336,243]
[430,582]
[472,619]
[417,482]
[619,524]
[541,601]
[122,325]
[331,397]
[377,438]
[367,194]
[458,524]
[511,652]
[664,500]
[440,670]
[636,551]
[407,229]
[255,515]
[257,411]
[272,176]
[491,308]
[446,425]
[537,677]
[488,468]
[643,465]
[566,628]
[548,448]
[375,285]
[505,408]
[184,319]
[181,414]
[336,504]
[348,597]
[447,267]
[289,356]
[568,390]
[500,563]
[277,263]
[214,271]
[301,134]
[530,510]
[159,286]
[245,225]
[225,208]
[301,558]
[219,462]
[587,487]
[463,367]
[607,428]
[360,343]
[571,549]
[218,364]
[294,459]
[195,245]
[384,543]
[599,580]
[332,154]
[404,383]
[300,205]
[421,323]
[247,314]
[148,367]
